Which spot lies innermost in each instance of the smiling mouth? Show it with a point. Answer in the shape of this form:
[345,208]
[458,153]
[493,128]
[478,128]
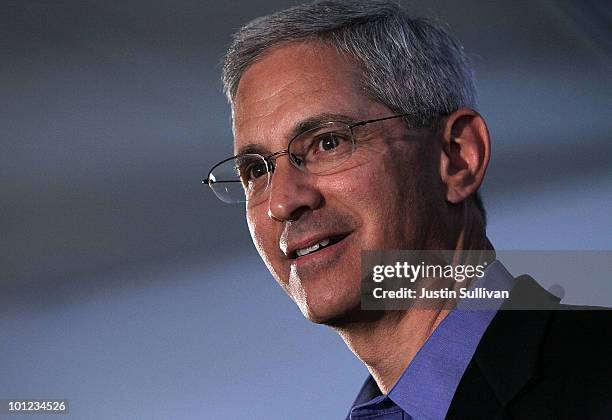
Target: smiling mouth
[325,243]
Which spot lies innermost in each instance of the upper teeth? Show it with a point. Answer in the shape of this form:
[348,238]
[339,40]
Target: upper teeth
[313,248]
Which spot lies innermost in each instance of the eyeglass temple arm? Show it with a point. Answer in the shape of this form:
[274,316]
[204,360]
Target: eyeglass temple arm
[380,119]
[212,181]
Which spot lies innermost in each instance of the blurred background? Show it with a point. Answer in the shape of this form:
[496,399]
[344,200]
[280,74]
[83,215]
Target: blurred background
[127,288]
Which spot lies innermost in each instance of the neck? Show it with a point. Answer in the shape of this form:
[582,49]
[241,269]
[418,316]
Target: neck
[386,342]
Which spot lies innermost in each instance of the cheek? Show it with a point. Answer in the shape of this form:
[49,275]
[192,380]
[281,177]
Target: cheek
[375,186]
[387,195]
[265,238]
[260,232]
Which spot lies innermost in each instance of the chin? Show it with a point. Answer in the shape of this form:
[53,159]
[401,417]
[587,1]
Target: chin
[331,312]
[328,297]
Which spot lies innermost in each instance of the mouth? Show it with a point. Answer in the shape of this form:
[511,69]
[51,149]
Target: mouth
[317,247]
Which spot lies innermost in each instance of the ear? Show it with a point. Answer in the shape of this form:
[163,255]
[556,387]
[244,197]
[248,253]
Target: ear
[466,149]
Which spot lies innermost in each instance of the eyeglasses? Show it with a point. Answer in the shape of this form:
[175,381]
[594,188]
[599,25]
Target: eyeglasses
[318,151]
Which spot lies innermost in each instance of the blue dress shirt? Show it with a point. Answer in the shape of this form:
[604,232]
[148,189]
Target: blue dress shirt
[426,388]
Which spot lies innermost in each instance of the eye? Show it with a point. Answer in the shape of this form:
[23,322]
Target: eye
[328,142]
[296,159]
[255,170]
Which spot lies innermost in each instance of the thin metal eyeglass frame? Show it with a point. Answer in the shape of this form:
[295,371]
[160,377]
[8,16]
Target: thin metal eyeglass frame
[270,159]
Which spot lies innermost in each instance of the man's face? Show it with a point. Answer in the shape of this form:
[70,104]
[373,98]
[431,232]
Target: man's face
[384,197]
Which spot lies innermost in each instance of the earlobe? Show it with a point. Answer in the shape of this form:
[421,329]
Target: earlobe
[465,153]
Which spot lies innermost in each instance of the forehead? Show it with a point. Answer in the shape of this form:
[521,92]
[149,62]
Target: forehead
[291,84]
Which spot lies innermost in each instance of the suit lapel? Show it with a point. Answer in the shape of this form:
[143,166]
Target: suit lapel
[506,358]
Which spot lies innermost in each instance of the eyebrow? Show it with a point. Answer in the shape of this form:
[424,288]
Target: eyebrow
[253,148]
[299,128]
[316,120]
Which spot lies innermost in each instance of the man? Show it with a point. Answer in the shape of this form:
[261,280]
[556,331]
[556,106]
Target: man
[355,129]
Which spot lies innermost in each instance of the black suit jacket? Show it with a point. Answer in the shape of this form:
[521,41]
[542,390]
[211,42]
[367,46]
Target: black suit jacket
[539,364]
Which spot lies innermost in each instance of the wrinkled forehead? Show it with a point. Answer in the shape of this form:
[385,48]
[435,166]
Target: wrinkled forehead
[289,88]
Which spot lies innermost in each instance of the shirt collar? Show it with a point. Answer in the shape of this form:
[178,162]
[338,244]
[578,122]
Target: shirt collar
[427,387]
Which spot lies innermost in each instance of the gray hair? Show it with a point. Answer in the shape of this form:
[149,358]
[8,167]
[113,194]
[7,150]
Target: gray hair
[411,65]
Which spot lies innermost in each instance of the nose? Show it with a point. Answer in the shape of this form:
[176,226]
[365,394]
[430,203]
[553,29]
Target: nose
[292,192]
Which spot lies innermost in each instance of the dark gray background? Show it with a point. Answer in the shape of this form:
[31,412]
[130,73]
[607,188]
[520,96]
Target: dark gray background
[128,289]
